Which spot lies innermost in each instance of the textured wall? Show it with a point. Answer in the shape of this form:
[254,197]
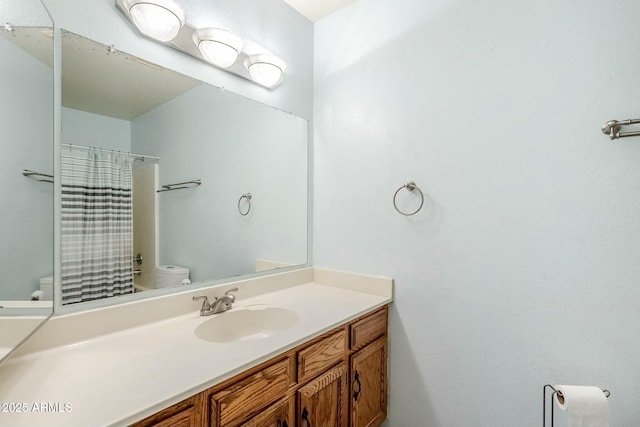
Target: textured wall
[26,131]
[235,146]
[522,269]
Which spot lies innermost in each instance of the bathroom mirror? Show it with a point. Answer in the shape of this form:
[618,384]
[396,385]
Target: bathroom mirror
[26,166]
[219,181]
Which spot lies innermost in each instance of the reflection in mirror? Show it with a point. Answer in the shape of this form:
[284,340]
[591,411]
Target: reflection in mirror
[209,184]
[26,167]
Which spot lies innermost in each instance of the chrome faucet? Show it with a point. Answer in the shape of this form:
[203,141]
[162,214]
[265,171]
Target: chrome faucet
[219,305]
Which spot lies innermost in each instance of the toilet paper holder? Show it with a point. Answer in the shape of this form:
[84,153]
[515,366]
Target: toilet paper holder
[607,393]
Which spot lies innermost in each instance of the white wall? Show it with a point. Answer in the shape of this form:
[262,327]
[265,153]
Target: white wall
[95,130]
[26,129]
[522,269]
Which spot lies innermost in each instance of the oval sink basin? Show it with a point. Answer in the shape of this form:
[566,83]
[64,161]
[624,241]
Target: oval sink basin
[246,324]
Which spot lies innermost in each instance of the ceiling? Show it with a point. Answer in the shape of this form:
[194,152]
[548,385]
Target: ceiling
[318,9]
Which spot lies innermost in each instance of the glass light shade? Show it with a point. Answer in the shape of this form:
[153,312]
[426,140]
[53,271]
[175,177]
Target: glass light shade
[158,19]
[217,46]
[265,69]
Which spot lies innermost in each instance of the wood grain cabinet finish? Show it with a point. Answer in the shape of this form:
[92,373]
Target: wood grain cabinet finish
[367,329]
[280,414]
[338,379]
[369,385]
[323,402]
[320,356]
[231,406]
[187,413]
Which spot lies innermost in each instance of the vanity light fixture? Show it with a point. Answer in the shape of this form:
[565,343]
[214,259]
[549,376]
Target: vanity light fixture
[164,21]
[265,69]
[158,19]
[218,46]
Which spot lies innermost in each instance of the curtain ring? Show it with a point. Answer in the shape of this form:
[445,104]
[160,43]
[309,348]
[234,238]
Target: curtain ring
[248,197]
[411,186]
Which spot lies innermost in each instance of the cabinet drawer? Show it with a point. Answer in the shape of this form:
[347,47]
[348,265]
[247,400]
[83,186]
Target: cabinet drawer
[321,356]
[244,398]
[365,331]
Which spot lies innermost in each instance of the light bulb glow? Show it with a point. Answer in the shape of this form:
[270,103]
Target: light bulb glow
[158,19]
[266,70]
[217,46]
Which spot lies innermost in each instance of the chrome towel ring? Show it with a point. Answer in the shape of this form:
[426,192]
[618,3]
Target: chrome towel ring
[411,186]
[248,197]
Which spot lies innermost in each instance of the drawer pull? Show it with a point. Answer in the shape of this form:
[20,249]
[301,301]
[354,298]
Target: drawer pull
[356,393]
[305,417]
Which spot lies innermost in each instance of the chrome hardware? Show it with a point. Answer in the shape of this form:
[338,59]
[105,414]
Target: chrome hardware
[137,272]
[247,197]
[410,186]
[138,259]
[204,311]
[219,305]
[224,303]
[181,185]
[612,128]
[37,176]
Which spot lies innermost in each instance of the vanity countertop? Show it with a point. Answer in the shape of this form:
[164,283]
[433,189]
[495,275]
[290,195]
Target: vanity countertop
[126,375]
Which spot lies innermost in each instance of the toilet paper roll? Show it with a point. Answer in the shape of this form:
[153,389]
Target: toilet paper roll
[587,406]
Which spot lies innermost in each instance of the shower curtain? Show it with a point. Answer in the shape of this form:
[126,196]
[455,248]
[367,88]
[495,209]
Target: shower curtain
[97,224]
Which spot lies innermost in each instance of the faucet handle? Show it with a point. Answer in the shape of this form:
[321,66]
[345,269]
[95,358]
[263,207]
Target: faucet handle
[205,303]
[229,294]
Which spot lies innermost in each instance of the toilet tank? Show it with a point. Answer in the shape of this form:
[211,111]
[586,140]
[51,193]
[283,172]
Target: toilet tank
[170,275]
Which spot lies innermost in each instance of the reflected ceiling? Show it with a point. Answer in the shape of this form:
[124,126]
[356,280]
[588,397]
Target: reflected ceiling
[315,10]
[119,93]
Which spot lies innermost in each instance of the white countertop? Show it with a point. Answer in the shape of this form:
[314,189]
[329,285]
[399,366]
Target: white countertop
[122,377]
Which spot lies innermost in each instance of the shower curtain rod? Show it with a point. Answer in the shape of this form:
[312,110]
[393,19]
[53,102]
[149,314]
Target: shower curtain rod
[83,147]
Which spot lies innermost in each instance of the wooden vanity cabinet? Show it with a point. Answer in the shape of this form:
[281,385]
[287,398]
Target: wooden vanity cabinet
[323,402]
[280,414]
[368,385]
[231,405]
[368,367]
[187,413]
[338,379]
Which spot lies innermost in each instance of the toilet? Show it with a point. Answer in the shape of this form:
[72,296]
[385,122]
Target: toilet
[46,286]
[171,275]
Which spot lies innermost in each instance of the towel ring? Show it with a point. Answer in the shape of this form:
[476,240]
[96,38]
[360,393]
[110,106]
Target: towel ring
[411,186]
[248,197]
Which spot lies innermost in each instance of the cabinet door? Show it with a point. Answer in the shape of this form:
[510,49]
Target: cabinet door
[280,414]
[369,385]
[323,402]
[187,413]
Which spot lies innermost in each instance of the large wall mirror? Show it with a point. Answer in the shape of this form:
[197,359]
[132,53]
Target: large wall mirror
[26,168]
[170,182]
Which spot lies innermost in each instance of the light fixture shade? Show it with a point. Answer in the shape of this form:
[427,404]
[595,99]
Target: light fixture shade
[217,46]
[265,69]
[158,19]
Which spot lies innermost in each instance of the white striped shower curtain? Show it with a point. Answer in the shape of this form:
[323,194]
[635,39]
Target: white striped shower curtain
[97,224]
